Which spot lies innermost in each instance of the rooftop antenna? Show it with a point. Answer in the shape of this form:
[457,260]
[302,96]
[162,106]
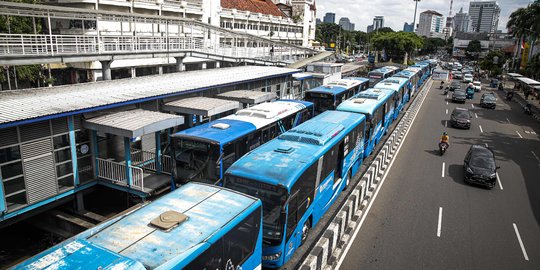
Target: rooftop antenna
[450,13]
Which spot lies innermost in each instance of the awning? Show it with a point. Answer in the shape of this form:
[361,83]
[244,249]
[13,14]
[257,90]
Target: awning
[201,106]
[527,81]
[248,96]
[302,76]
[515,75]
[134,123]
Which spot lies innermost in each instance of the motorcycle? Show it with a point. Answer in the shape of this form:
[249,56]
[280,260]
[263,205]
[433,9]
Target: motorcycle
[509,96]
[527,109]
[442,147]
[446,90]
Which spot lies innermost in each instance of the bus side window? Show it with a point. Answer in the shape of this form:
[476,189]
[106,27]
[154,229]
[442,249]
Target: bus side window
[210,259]
[265,135]
[229,155]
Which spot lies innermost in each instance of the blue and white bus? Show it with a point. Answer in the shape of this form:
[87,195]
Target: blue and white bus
[204,152]
[377,75]
[197,226]
[298,176]
[425,68]
[402,89]
[413,76]
[328,96]
[378,107]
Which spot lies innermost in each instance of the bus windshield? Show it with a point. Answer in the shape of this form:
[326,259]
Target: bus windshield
[321,101]
[195,161]
[273,198]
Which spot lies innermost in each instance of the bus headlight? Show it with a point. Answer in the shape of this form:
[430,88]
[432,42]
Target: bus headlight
[272,257]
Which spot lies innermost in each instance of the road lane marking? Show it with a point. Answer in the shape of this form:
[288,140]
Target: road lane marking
[475,115]
[499,180]
[472,105]
[520,242]
[446,123]
[519,134]
[439,223]
[442,171]
[351,241]
[535,156]
[446,111]
[446,102]
[481,131]
[507,120]
[487,145]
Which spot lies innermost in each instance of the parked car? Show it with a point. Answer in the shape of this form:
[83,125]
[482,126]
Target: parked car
[455,85]
[459,96]
[488,100]
[461,118]
[480,167]
[477,86]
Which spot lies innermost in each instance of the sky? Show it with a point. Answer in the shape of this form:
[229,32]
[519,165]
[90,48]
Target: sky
[397,12]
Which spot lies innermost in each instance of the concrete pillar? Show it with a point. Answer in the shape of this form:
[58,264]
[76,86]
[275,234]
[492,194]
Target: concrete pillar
[180,64]
[160,70]
[106,70]
[79,202]
[133,72]
[127,151]
[203,65]
[218,64]
[158,152]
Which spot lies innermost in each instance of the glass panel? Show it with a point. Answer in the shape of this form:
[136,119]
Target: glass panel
[65,182]
[85,169]
[62,155]
[61,141]
[211,259]
[82,136]
[9,154]
[11,170]
[14,185]
[16,201]
[64,169]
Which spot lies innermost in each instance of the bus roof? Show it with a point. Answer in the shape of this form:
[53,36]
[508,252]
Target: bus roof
[328,89]
[360,79]
[130,241]
[243,122]
[392,83]
[366,102]
[282,160]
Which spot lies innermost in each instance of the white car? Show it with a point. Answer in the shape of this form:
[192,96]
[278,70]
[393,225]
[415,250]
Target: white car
[477,86]
[468,78]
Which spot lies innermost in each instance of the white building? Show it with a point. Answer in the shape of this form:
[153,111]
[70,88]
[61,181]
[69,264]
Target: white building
[462,22]
[484,16]
[431,24]
[291,21]
[378,22]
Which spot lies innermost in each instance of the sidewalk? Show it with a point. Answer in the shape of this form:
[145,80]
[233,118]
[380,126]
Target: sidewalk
[519,97]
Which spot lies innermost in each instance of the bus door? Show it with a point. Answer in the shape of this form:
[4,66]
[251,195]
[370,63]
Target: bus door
[339,159]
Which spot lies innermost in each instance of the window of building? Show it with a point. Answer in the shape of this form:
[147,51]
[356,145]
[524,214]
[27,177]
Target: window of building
[11,174]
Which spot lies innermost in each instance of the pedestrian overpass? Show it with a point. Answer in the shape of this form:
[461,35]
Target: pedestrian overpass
[169,37]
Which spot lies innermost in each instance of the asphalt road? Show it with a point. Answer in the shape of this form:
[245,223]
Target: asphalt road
[426,217]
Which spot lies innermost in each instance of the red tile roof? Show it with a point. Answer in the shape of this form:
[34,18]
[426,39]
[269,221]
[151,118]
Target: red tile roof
[256,6]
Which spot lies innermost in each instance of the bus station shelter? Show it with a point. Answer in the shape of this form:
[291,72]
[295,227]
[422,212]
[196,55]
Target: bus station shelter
[197,110]
[248,98]
[142,169]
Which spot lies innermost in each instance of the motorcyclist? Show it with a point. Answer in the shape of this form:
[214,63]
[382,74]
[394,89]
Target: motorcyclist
[445,139]
[442,84]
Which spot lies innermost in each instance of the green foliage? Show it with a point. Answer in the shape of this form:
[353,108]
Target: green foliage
[397,43]
[327,32]
[384,30]
[532,69]
[473,49]
[488,62]
[431,45]
[19,24]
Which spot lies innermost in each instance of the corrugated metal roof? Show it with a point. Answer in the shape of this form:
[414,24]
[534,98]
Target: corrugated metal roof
[35,103]
[133,123]
[204,106]
[528,81]
[248,96]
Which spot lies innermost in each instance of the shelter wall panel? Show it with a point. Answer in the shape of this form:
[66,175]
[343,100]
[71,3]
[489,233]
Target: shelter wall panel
[59,125]
[35,131]
[8,136]
[39,171]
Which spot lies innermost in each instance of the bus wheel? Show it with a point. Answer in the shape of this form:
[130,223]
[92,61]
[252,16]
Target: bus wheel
[305,231]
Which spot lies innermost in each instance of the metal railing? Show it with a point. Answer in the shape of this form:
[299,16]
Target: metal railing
[116,173]
[147,161]
[166,164]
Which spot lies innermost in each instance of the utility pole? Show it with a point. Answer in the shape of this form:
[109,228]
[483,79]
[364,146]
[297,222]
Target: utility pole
[414,20]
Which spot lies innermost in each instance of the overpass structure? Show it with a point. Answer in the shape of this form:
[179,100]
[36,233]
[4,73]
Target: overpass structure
[122,38]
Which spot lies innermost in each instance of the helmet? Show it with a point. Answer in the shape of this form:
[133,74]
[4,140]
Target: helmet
[470,84]
[444,133]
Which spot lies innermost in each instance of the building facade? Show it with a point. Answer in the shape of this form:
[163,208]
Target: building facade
[329,17]
[408,27]
[346,24]
[430,24]
[462,22]
[378,22]
[484,16]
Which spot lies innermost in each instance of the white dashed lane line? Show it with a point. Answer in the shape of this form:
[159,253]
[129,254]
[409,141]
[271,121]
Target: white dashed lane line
[520,242]
[519,134]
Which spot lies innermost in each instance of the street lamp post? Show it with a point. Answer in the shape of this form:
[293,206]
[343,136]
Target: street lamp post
[415,8]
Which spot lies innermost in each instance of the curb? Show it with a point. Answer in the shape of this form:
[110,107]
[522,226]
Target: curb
[330,246]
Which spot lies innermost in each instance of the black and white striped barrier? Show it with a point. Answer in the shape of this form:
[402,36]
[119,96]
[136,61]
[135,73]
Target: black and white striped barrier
[330,246]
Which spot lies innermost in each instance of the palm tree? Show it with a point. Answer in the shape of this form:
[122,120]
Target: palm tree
[525,23]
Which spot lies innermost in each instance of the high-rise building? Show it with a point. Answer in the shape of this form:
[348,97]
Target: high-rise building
[318,21]
[369,28]
[408,27]
[462,22]
[346,24]
[378,22]
[484,16]
[430,24]
[329,17]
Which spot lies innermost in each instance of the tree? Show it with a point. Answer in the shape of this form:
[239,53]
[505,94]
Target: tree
[396,44]
[431,45]
[524,23]
[473,49]
[327,33]
[532,69]
[493,62]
